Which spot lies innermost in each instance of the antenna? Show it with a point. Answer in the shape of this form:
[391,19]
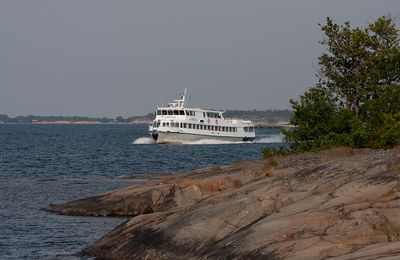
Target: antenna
[182,98]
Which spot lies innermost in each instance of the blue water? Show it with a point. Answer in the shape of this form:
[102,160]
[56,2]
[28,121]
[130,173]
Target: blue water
[43,164]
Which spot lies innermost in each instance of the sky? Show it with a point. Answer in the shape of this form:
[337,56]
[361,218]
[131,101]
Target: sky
[110,58]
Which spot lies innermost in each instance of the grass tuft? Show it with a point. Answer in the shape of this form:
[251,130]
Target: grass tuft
[270,165]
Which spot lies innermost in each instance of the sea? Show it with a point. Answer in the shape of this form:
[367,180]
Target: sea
[52,164]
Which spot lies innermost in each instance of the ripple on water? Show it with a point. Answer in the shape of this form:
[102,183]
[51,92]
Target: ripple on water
[43,164]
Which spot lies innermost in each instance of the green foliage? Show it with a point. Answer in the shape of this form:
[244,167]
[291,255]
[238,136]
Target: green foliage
[119,119]
[4,118]
[314,109]
[357,99]
[272,151]
[267,115]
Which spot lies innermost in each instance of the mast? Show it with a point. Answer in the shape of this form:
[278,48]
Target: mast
[180,101]
[183,98]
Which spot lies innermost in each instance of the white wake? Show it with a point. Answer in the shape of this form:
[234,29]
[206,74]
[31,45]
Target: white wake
[277,138]
[144,140]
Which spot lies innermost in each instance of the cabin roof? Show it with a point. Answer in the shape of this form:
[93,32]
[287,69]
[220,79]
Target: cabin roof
[191,108]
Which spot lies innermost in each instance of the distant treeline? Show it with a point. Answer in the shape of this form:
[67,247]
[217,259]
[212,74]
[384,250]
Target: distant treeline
[265,115]
[32,118]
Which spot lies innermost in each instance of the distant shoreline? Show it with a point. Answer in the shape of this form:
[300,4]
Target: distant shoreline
[257,124]
[261,118]
[70,123]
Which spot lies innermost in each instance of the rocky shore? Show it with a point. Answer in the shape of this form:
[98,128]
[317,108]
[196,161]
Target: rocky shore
[337,204]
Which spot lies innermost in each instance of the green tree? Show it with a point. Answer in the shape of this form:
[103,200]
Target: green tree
[314,109]
[357,99]
[119,119]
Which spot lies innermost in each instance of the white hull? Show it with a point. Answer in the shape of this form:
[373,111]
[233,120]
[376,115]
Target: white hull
[179,124]
[184,137]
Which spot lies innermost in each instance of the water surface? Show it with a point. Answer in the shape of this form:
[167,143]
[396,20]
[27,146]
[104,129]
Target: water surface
[43,164]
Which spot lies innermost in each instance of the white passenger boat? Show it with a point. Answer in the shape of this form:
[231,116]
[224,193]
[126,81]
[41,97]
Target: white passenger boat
[176,123]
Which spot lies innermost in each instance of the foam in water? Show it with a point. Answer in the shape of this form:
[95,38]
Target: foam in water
[144,140]
[149,140]
[277,138]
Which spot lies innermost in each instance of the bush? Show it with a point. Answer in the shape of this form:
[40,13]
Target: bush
[273,151]
[356,102]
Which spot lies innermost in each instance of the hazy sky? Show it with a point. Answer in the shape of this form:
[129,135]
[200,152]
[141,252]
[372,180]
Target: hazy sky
[109,58]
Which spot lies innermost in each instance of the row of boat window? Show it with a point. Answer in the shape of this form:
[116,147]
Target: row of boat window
[248,129]
[212,115]
[173,112]
[188,113]
[200,127]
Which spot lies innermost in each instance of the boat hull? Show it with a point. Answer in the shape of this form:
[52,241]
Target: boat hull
[171,137]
